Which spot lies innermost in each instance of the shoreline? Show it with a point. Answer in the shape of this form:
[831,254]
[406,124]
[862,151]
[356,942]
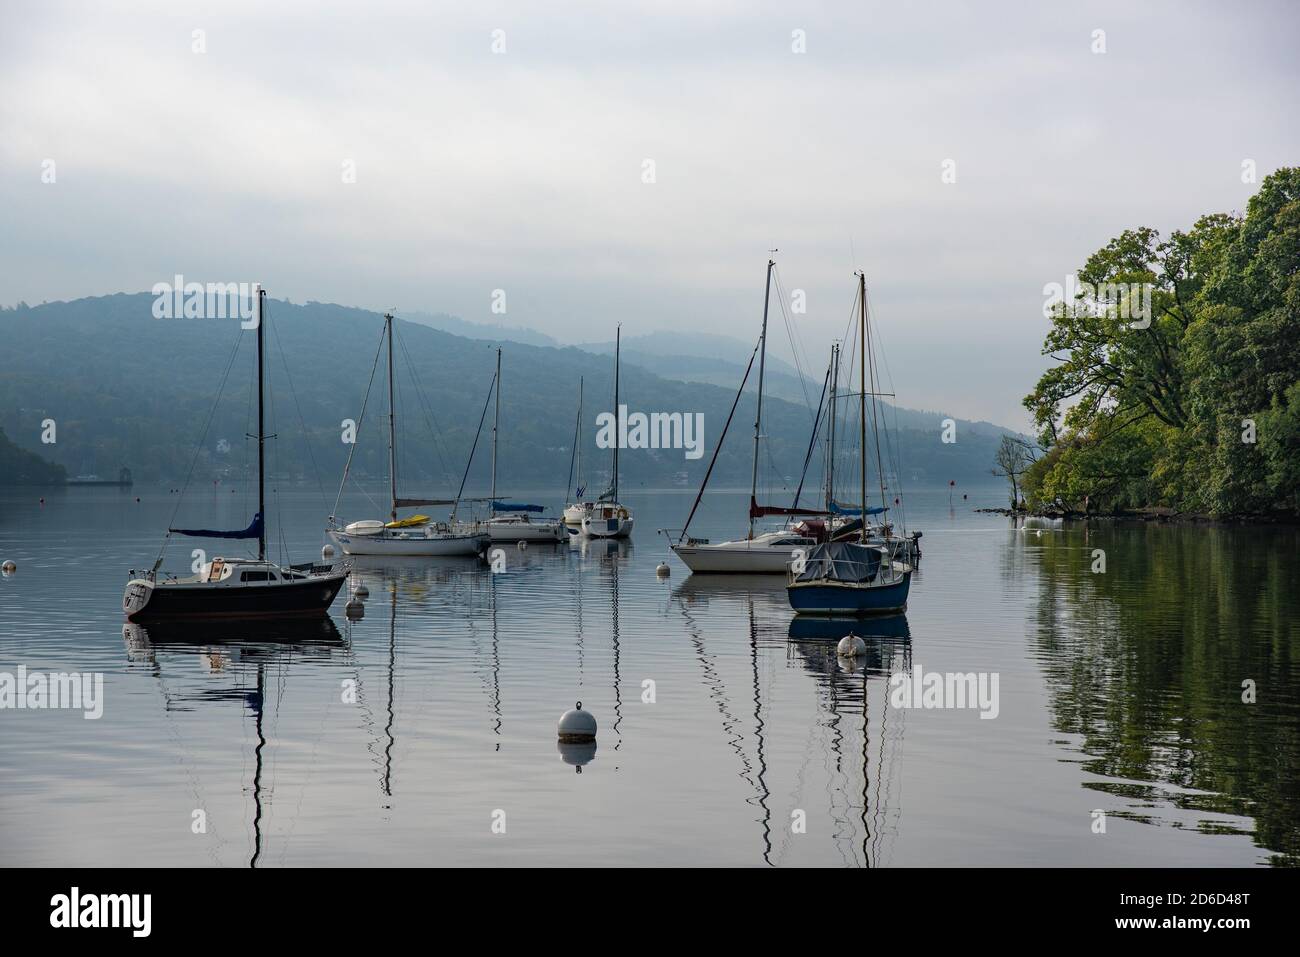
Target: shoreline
[1166,516]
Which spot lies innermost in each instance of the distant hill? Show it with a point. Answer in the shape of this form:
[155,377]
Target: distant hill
[478,330]
[21,467]
[128,389]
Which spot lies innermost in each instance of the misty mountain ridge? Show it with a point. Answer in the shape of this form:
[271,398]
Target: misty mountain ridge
[127,389]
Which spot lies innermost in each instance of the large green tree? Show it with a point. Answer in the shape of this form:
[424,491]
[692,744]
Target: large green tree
[1175,368]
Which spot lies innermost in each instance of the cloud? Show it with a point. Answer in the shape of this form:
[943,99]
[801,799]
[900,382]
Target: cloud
[524,170]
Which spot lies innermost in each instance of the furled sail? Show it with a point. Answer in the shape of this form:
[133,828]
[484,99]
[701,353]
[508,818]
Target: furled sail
[838,509]
[758,511]
[421,502]
[253,531]
[512,507]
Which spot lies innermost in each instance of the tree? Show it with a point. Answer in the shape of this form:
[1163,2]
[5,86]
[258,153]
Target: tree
[1163,407]
[1013,458]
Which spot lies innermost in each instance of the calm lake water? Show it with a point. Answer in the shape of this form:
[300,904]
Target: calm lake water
[1119,692]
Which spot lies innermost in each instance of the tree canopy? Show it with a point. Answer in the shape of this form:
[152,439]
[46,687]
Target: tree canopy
[1192,401]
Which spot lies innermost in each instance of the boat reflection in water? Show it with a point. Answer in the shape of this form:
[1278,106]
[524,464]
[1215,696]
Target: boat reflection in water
[769,734]
[244,650]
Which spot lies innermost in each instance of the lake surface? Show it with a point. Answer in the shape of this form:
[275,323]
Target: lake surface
[1119,692]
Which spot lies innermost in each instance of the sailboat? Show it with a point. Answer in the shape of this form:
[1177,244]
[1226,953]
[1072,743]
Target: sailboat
[607,517]
[758,553]
[846,522]
[575,510]
[237,587]
[417,534]
[514,521]
[843,577]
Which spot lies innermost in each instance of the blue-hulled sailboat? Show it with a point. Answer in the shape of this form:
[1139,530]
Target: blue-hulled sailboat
[842,577]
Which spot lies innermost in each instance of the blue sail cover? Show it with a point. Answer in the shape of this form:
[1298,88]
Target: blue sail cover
[512,507]
[838,509]
[253,531]
[841,562]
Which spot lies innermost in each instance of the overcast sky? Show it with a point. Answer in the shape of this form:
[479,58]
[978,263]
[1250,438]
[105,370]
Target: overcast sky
[523,170]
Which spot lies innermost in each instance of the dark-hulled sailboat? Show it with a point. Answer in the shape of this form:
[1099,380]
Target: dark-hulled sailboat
[844,577]
[237,587]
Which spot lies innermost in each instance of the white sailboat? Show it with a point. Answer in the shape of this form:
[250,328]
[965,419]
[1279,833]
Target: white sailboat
[576,510]
[607,517]
[514,521]
[758,552]
[417,534]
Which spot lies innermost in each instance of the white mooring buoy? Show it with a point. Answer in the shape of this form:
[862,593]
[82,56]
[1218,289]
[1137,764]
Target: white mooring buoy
[361,591]
[8,568]
[662,570]
[577,726]
[354,610]
[327,552]
[851,646]
[522,544]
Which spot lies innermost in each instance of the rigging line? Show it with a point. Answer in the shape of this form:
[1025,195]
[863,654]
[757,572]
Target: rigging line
[306,436]
[360,421]
[577,428]
[199,448]
[464,478]
[895,453]
[718,448]
[795,347]
[812,439]
[245,486]
[431,420]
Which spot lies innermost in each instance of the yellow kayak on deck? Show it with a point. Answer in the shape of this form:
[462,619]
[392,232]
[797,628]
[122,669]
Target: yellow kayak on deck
[411,522]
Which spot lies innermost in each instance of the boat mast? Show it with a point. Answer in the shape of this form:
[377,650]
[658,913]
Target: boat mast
[392,419]
[830,426]
[875,426]
[261,437]
[577,447]
[496,422]
[618,339]
[758,418]
[862,398]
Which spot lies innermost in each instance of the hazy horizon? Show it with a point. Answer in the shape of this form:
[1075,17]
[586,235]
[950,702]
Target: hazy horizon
[522,170]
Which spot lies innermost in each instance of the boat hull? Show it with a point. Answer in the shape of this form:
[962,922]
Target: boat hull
[154,601]
[607,527]
[823,597]
[734,560]
[526,531]
[468,544]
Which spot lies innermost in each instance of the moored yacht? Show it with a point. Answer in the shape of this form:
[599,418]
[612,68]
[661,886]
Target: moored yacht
[237,587]
[416,534]
[765,553]
[513,521]
[759,552]
[607,517]
[846,577]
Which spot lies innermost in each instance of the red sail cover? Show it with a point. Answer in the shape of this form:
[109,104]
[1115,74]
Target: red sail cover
[758,511]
